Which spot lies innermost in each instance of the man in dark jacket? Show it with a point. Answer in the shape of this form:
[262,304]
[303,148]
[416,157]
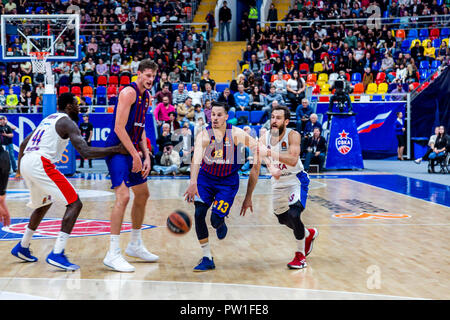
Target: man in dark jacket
[224,21]
[315,150]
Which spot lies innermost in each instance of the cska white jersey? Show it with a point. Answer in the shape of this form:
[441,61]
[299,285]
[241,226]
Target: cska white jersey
[287,172]
[45,141]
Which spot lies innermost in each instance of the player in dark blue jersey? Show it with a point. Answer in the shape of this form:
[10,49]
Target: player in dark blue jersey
[214,177]
[130,171]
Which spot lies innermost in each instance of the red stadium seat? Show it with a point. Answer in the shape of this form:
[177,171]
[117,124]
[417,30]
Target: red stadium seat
[124,80]
[63,89]
[76,90]
[111,91]
[381,77]
[434,34]
[113,80]
[102,81]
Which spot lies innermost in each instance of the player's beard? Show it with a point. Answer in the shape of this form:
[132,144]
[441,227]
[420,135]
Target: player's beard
[277,131]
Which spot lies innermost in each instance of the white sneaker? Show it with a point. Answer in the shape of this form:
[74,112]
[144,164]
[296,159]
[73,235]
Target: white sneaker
[115,261]
[139,251]
[418,161]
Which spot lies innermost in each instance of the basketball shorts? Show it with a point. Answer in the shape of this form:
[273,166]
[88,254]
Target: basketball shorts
[217,191]
[119,167]
[45,182]
[4,171]
[289,191]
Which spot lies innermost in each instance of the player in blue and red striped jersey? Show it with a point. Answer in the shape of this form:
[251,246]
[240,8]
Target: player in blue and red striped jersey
[214,176]
[130,171]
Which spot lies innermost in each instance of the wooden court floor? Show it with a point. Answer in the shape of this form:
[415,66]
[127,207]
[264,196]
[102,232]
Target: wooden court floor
[373,243]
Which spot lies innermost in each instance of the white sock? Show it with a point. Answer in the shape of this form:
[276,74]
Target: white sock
[26,239]
[135,237]
[206,250]
[301,246]
[114,243]
[60,243]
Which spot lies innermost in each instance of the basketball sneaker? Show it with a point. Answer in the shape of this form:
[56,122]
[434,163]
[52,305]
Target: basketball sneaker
[139,251]
[313,233]
[115,261]
[222,231]
[299,261]
[23,253]
[60,260]
[205,264]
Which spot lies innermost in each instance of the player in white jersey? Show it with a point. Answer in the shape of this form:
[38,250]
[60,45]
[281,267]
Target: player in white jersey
[37,157]
[280,149]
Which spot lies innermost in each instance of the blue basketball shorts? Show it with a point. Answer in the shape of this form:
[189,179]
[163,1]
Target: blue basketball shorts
[217,191]
[119,167]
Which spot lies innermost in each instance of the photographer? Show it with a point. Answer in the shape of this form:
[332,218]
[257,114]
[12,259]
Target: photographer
[341,95]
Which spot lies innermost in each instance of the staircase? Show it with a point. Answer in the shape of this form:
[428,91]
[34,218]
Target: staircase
[203,9]
[223,58]
[282,7]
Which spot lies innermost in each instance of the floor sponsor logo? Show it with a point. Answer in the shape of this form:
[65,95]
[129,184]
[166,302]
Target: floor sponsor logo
[49,228]
[24,194]
[371,216]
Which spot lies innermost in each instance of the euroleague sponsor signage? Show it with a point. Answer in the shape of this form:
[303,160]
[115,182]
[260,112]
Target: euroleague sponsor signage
[49,228]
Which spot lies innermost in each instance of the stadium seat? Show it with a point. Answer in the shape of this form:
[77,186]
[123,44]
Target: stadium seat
[111,91]
[64,81]
[435,64]
[286,76]
[332,78]
[274,78]
[243,114]
[424,64]
[371,88]
[356,78]
[89,80]
[400,34]
[413,43]
[304,68]
[423,75]
[311,79]
[381,77]
[406,45]
[434,34]
[256,116]
[63,89]
[245,67]
[445,33]
[358,89]
[88,91]
[415,85]
[112,100]
[382,88]
[425,42]
[325,89]
[102,81]
[26,77]
[113,80]
[133,78]
[377,97]
[412,34]
[316,89]
[88,100]
[318,67]
[76,90]
[124,80]
[323,77]
[231,115]
[423,34]
[16,90]
[220,87]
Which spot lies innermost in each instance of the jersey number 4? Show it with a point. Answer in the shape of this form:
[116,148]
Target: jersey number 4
[37,137]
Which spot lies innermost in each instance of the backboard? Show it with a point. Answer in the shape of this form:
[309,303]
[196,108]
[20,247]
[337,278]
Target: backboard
[57,34]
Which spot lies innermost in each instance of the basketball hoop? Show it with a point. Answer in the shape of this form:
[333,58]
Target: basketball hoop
[38,60]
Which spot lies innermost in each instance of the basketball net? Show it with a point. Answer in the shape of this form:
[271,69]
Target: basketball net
[39,61]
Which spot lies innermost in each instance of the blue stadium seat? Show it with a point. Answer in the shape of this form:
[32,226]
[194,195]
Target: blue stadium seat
[256,116]
[174,86]
[356,78]
[88,100]
[423,75]
[101,100]
[435,64]
[16,90]
[64,80]
[6,88]
[243,113]
[436,43]
[101,91]
[231,115]
[412,34]
[89,80]
[445,33]
[423,34]
[406,44]
[221,86]
[424,64]
[189,86]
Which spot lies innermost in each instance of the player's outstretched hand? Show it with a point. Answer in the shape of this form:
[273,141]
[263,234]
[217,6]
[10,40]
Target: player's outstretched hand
[246,205]
[191,192]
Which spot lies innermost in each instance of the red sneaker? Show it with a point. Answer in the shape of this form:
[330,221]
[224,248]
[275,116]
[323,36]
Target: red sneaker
[313,233]
[299,261]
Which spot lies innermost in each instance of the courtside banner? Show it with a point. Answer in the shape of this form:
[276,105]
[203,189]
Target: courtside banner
[374,123]
[26,123]
[344,148]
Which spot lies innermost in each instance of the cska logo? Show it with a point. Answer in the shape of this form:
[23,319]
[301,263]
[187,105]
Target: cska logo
[344,144]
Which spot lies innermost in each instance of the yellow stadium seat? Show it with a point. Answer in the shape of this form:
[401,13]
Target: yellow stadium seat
[26,77]
[372,88]
[318,67]
[323,77]
[382,87]
[413,43]
[447,41]
[245,67]
[133,78]
[325,89]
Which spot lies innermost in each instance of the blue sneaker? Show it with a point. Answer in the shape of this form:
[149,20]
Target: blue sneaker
[60,260]
[23,253]
[205,264]
[222,231]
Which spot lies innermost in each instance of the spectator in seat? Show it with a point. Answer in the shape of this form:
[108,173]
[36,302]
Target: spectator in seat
[440,146]
[295,88]
[242,99]
[13,79]
[101,69]
[417,52]
[125,68]
[169,162]
[165,92]
[303,113]
[12,101]
[114,70]
[185,74]
[315,150]
[206,79]
[89,67]
[398,89]
[174,76]
[173,122]
[207,110]
[431,143]
[196,95]
[209,93]
[185,147]
[228,99]
[116,50]
[280,85]
[311,124]
[256,99]
[76,77]
[162,111]
[198,113]
[272,96]
[367,78]
[185,112]
[180,95]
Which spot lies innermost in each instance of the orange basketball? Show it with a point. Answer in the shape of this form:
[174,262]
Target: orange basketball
[179,222]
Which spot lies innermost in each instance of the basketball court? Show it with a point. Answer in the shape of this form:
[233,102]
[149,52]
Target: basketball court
[381,236]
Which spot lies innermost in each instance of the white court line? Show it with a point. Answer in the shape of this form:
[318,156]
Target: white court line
[223,284]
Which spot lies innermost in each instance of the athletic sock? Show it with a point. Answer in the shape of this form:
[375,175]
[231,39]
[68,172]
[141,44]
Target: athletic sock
[26,239]
[306,233]
[114,243]
[135,237]
[206,250]
[301,246]
[60,243]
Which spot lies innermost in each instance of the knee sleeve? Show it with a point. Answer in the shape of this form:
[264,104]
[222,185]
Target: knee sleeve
[291,219]
[216,220]
[200,222]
